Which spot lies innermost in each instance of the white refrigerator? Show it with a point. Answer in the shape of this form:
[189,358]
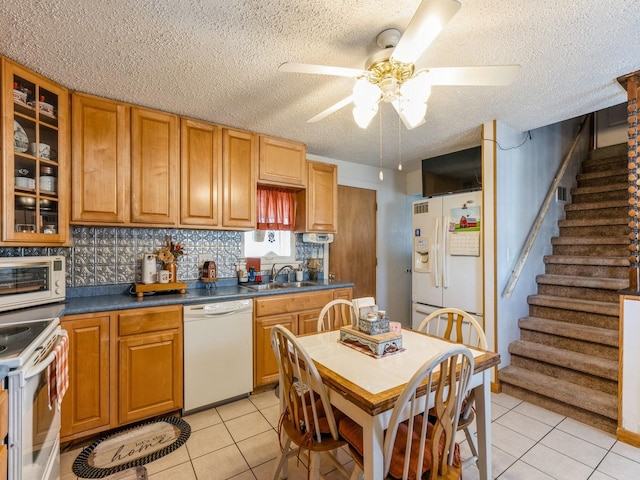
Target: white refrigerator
[447,255]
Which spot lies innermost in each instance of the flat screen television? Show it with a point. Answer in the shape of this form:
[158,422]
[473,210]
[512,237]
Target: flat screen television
[452,173]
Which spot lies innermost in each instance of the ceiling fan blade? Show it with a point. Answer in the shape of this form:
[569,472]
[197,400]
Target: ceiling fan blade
[320,69]
[485,75]
[424,27]
[333,108]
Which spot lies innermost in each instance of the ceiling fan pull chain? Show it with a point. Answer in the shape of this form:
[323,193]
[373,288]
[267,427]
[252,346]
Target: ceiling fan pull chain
[399,144]
[381,175]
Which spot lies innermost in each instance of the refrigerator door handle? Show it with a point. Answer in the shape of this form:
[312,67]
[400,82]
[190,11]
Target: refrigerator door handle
[436,257]
[445,266]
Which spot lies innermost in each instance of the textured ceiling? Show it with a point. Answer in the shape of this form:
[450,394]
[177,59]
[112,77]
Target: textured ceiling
[217,60]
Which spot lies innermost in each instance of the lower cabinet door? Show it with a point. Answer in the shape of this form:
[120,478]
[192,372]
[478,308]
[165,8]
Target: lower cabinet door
[308,322]
[265,364]
[85,406]
[150,380]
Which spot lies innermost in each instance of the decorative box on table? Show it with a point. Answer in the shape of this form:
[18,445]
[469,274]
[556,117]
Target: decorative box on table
[377,345]
[373,325]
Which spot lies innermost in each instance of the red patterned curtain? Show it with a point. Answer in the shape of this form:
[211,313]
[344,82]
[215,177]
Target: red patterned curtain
[276,208]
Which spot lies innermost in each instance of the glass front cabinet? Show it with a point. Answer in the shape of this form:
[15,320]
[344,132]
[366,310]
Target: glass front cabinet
[35,117]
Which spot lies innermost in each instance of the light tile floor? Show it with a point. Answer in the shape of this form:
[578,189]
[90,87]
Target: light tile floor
[239,441]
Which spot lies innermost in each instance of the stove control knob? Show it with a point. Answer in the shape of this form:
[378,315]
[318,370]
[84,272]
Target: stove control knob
[58,291]
[57,283]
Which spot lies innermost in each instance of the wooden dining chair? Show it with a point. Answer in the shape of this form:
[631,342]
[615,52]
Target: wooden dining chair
[307,418]
[335,314]
[459,326]
[414,448]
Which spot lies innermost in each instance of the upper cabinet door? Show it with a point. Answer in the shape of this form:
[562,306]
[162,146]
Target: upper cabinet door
[282,162]
[318,205]
[35,159]
[200,173]
[100,167]
[239,165]
[155,153]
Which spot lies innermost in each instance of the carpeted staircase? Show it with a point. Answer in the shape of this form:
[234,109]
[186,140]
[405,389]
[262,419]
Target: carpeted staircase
[567,357]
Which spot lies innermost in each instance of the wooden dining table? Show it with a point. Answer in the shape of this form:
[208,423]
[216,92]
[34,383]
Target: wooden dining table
[366,388]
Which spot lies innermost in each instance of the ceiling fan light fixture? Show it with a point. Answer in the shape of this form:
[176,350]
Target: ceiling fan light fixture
[412,113]
[417,89]
[363,114]
[365,93]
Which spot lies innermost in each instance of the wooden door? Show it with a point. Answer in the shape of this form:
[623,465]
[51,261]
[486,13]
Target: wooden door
[100,164]
[352,255]
[282,162]
[85,406]
[308,322]
[265,369]
[320,199]
[200,165]
[155,172]
[239,173]
[150,375]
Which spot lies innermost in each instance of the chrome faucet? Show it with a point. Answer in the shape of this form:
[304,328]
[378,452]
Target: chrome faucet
[274,274]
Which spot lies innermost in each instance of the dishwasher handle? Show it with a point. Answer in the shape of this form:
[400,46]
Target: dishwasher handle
[215,310]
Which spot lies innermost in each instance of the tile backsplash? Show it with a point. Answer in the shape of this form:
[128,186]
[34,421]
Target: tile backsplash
[112,256]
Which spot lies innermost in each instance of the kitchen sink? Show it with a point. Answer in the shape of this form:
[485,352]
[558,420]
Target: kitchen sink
[297,284]
[260,287]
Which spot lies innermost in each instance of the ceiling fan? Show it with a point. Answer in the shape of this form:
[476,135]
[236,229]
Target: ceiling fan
[390,74]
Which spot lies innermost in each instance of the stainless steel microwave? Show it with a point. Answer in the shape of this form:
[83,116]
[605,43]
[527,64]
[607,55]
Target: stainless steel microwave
[30,281]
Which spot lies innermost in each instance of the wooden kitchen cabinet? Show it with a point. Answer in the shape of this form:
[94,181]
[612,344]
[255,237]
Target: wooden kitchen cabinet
[86,405]
[318,205]
[239,172]
[35,159]
[155,172]
[265,369]
[282,162]
[200,173]
[100,160]
[124,366]
[150,362]
[343,293]
[298,312]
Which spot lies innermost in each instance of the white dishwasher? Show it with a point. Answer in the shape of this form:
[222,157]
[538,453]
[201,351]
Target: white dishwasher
[218,352]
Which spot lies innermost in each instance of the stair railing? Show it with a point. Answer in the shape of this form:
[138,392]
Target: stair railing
[544,208]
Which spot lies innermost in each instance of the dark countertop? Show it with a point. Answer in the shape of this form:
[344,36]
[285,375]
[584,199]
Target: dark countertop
[121,301]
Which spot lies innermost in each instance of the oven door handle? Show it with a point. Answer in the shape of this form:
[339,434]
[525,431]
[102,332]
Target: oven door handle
[40,366]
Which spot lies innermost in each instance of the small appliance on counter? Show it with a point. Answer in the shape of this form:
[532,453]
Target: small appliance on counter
[149,271]
[151,281]
[33,347]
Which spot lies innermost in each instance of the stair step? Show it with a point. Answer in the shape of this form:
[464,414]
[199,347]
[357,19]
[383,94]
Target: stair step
[581,362]
[590,222]
[599,188]
[580,281]
[566,392]
[594,227]
[588,306]
[572,207]
[600,193]
[602,174]
[604,164]
[580,260]
[590,240]
[571,330]
[609,151]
